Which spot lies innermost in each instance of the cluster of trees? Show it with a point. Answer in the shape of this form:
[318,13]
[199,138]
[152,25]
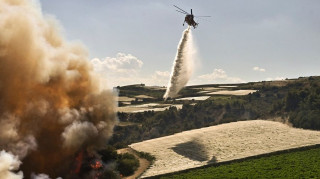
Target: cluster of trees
[303,105]
[300,102]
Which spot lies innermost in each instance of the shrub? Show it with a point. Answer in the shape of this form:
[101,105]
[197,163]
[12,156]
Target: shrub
[127,164]
[109,153]
[147,156]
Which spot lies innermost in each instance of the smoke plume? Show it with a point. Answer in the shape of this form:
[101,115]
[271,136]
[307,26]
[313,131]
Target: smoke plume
[182,66]
[51,103]
[8,164]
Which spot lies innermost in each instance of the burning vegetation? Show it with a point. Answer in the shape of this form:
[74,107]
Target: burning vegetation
[90,165]
[54,115]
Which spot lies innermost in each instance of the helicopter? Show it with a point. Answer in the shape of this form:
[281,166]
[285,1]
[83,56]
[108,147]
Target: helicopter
[189,17]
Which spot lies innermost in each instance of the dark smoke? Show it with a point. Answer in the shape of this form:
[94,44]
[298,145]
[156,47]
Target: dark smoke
[51,103]
[182,66]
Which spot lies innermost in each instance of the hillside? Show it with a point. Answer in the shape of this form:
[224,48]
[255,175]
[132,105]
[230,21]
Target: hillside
[143,114]
[221,143]
[295,101]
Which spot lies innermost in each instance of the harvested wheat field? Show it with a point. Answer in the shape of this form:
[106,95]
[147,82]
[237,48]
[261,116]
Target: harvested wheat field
[125,99]
[223,142]
[228,86]
[146,107]
[235,92]
[197,98]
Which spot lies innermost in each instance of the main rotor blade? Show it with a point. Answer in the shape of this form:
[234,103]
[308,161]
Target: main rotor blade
[181,12]
[202,16]
[180,9]
[203,19]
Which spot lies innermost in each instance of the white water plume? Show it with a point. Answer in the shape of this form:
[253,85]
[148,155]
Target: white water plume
[182,66]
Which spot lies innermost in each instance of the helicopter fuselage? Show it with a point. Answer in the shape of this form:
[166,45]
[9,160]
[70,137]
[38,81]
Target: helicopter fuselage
[190,21]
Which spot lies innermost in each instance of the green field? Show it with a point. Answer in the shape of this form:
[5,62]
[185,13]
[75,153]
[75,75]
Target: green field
[298,164]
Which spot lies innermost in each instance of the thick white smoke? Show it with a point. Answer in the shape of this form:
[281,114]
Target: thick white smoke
[8,164]
[182,66]
[51,103]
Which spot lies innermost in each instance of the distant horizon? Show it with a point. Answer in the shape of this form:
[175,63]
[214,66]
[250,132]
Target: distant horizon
[137,84]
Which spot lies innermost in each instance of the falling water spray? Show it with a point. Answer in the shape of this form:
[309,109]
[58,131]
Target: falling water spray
[183,65]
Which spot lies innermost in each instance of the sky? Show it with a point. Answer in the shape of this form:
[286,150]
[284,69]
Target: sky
[132,42]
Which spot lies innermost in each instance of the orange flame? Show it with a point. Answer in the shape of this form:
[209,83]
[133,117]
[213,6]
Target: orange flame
[78,162]
[97,165]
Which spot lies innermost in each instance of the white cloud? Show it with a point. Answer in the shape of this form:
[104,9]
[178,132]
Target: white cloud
[157,78]
[219,76]
[165,74]
[122,63]
[160,78]
[216,74]
[125,70]
[259,69]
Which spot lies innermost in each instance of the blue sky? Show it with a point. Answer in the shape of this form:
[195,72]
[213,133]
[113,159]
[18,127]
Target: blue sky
[248,40]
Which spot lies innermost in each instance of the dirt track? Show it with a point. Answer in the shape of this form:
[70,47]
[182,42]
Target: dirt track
[224,142]
[144,163]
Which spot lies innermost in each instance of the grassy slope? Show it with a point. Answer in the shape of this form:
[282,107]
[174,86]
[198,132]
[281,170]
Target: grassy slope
[299,164]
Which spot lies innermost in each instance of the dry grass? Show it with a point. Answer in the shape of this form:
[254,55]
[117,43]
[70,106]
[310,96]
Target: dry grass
[125,99]
[228,86]
[198,98]
[146,107]
[144,97]
[235,92]
[224,142]
[204,91]
[210,88]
